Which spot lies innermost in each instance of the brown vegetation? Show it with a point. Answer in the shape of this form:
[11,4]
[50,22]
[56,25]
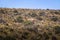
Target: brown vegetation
[29,24]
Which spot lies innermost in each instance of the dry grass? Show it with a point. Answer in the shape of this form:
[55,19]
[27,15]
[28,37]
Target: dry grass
[29,24]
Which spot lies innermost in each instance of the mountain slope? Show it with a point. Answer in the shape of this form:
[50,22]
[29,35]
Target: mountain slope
[29,24]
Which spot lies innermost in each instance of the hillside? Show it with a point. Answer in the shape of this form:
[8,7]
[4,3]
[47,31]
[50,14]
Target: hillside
[29,24]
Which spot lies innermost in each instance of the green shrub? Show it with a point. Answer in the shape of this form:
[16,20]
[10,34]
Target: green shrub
[57,29]
[19,19]
[28,23]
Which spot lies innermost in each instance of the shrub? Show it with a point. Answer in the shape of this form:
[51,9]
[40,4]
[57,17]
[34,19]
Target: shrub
[33,29]
[25,35]
[33,14]
[31,34]
[57,29]
[50,33]
[54,18]
[47,9]
[56,12]
[2,21]
[19,19]
[45,36]
[54,38]
[39,18]
[38,37]
[42,14]
[28,23]
[15,11]
[2,11]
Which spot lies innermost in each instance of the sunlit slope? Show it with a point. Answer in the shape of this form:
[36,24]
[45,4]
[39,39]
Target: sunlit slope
[29,24]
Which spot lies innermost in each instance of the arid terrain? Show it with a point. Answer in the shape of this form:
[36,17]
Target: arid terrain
[29,24]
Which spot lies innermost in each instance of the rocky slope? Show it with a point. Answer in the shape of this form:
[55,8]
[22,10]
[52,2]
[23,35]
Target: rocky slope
[29,24]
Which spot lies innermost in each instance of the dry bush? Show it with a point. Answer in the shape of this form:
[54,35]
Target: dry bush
[33,14]
[54,18]
[42,14]
[28,23]
[19,19]
[57,12]
[57,29]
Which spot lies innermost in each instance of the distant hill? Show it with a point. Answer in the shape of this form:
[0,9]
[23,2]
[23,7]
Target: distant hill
[29,24]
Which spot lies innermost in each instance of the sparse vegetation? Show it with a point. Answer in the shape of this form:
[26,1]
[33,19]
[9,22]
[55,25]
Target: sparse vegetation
[29,24]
